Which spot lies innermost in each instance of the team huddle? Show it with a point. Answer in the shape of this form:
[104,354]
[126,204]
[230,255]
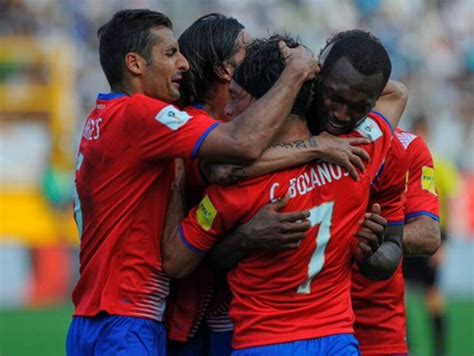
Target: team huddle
[239,196]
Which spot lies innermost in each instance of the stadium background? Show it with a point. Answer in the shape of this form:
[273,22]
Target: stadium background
[50,74]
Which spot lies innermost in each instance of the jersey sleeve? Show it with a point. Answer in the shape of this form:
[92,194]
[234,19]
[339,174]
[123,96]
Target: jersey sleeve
[421,197]
[388,188]
[161,131]
[380,132]
[219,211]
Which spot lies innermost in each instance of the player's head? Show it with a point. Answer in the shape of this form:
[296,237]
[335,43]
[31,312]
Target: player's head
[139,54]
[355,67]
[214,45]
[260,70]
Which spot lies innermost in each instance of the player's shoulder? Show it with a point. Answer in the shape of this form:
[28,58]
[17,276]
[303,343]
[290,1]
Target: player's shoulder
[374,126]
[415,146]
[406,138]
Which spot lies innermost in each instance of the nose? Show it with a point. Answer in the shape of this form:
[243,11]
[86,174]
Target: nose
[342,113]
[183,64]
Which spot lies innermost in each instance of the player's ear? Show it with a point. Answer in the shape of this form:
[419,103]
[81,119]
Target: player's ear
[224,72]
[135,63]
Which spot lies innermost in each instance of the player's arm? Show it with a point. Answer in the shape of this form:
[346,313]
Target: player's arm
[326,147]
[422,231]
[177,260]
[421,236]
[267,230]
[392,101]
[245,137]
[380,246]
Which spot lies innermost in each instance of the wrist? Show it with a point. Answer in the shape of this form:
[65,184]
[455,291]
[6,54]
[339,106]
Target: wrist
[293,74]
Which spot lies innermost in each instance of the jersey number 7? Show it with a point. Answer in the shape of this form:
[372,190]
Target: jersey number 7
[321,215]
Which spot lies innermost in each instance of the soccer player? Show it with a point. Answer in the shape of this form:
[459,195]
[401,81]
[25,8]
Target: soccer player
[275,298]
[379,307]
[124,171]
[214,45]
[424,270]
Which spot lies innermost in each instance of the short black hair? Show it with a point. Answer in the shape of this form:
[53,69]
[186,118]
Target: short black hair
[128,31]
[363,50]
[262,67]
[209,42]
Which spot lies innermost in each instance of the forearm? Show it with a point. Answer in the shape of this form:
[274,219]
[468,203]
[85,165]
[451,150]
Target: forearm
[392,101]
[177,260]
[278,157]
[383,263]
[228,252]
[275,158]
[256,127]
[421,237]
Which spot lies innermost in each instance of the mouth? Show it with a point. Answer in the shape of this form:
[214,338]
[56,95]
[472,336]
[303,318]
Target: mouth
[337,127]
[176,81]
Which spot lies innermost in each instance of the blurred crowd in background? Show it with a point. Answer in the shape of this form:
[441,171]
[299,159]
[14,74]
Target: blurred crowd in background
[430,43]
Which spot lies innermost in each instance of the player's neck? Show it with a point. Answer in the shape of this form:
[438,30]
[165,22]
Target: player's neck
[215,106]
[294,128]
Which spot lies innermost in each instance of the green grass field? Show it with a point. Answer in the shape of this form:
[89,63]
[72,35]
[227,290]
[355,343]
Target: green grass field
[42,332]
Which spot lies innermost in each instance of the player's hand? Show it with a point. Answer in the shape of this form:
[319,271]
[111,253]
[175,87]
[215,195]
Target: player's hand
[371,234]
[343,152]
[270,229]
[300,59]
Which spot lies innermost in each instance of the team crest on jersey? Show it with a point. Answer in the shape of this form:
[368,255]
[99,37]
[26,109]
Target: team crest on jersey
[172,117]
[428,180]
[368,128]
[206,213]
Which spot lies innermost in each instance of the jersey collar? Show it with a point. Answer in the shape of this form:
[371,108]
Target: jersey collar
[110,96]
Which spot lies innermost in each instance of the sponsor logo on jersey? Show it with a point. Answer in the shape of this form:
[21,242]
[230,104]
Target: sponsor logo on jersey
[172,117]
[206,213]
[427,180]
[368,128]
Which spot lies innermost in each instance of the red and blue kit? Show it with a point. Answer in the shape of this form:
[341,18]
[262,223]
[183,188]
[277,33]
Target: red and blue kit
[379,308]
[421,198]
[123,178]
[302,294]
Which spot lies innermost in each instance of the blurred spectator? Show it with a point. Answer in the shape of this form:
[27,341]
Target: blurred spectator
[430,43]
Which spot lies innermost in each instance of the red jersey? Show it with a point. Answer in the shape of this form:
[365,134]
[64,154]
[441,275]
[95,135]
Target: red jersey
[201,295]
[302,294]
[190,296]
[422,198]
[123,178]
[379,308]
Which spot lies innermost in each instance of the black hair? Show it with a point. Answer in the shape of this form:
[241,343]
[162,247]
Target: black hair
[262,67]
[128,31]
[209,42]
[363,50]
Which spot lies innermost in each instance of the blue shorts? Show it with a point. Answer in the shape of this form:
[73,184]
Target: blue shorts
[115,335]
[336,345]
